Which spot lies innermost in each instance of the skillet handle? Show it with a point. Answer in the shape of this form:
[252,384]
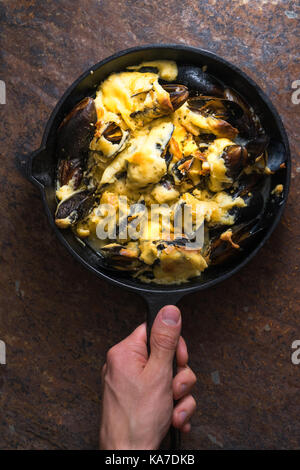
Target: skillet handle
[25,165]
[154,303]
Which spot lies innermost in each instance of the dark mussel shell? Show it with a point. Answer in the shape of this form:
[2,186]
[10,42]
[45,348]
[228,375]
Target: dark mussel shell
[113,133]
[167,183]
[77,130]
[216,107]
[162,244]
[276,156]
[198,81]
[168,157]
[249,125]
[254,206]
[247,183]
[70,169]
[147,69]
[73,139]
[235,158]
[178,94]
[116,257]
[205,138]
[181,168]
[74,208]
[256,147]
[250,188]
[222,251]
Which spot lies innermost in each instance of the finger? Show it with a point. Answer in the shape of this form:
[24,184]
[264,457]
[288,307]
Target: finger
[138,335]
[183,383]
[182,356]
[136,342]
[130,354]
[164,337]
[186,428]
[103,372]
[183,411]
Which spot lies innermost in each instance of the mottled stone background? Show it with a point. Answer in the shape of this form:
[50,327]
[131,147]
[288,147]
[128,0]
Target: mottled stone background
[58,320]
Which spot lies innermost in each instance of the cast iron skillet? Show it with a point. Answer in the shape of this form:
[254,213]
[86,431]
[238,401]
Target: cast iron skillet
[40,166]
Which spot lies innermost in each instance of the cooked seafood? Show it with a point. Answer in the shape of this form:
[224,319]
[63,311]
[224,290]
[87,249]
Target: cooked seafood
[161,143]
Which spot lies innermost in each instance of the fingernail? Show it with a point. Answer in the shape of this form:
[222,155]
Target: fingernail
[183,388]
[170,315]
[182,416]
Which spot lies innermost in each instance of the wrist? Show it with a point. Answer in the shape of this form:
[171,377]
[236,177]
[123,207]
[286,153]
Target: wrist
[125,444]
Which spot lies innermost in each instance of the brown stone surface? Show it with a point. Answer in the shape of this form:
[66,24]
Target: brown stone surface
[58,320]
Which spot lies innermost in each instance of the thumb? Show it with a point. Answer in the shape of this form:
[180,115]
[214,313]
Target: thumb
[165,335]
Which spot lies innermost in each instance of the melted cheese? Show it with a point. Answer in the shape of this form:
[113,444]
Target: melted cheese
[163,194]
[137,168]
[167,69]
[217,166]
[178,264]
[213,208]
[145,164]
[142,157]
[137,97]
[64,191]
[149,252]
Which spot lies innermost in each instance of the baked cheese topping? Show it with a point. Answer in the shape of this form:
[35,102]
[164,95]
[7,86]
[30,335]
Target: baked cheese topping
[146,152]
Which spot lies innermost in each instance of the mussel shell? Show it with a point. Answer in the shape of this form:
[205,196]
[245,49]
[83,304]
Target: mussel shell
[70,170]
[276,155]
[247,183]
[199,82]
[235,158]
[250,189]
[168,157]
[112,140]
[113,133]
[180,242]
[148,69]
[204,138]
[167,182]
[178,94]
[116,260]
[217,107]
[76,207]
[257,146]
[254,207]
[248,124]
[180,174]
[76,130]
[222,252]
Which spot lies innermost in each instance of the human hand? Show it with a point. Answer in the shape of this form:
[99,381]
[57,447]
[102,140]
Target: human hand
[138,390]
